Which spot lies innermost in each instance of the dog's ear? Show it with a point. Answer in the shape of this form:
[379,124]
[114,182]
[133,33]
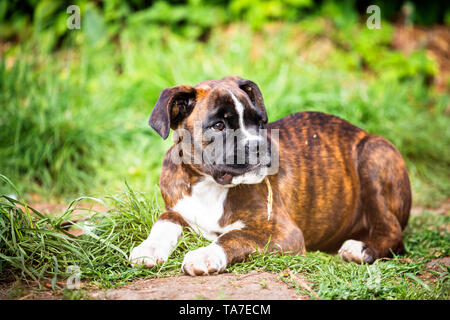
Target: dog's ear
[253,92]
[174,104]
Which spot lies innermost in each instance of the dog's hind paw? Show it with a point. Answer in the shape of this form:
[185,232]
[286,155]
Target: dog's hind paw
[355,251]
[205,261]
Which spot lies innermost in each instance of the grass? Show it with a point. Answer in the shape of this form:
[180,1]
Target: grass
[37,248]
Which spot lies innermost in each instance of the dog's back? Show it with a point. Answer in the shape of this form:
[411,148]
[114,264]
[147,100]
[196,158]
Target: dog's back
[325,183]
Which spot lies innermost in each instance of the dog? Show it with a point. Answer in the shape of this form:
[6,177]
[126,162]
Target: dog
[336,188]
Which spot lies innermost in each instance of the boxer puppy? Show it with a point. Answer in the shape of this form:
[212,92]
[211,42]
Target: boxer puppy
[334,187]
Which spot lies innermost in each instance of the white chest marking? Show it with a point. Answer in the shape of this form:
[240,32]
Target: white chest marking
[204,208]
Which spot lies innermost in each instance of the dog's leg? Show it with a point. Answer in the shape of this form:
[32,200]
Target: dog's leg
[235,246]
[384,235]
[162,239]
[385,202]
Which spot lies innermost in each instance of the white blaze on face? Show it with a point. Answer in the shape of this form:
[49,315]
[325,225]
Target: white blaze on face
[240,111]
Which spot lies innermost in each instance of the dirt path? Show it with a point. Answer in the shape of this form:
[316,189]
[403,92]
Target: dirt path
[252,286]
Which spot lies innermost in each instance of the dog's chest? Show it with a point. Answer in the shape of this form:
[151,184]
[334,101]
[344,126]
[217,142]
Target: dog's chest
[203,209]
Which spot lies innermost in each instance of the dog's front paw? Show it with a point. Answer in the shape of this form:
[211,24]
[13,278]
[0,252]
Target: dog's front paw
[204,261]
[156,249]
[149,254]
[356,251]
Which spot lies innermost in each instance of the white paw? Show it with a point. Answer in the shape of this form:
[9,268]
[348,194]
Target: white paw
[204,261]
[353,250]
[158,246]
[148,254]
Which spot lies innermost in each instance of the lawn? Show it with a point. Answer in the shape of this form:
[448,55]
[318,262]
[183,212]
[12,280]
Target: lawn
[74,125]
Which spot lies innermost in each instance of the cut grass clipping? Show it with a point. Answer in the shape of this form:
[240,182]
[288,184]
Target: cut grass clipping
[37,248]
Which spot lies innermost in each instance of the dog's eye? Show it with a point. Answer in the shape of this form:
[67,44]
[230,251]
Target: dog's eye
[219,126]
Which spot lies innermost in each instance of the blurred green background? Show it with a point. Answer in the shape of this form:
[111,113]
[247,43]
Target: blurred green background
[74,104]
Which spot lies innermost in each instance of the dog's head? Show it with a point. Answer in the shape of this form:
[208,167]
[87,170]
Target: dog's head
[220,126]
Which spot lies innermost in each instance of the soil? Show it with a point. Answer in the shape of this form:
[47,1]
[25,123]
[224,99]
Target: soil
[435,269]
[252,286]
[441,209]
[435,40]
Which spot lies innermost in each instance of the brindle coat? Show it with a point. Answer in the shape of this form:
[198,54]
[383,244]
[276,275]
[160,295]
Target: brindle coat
[335,182]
